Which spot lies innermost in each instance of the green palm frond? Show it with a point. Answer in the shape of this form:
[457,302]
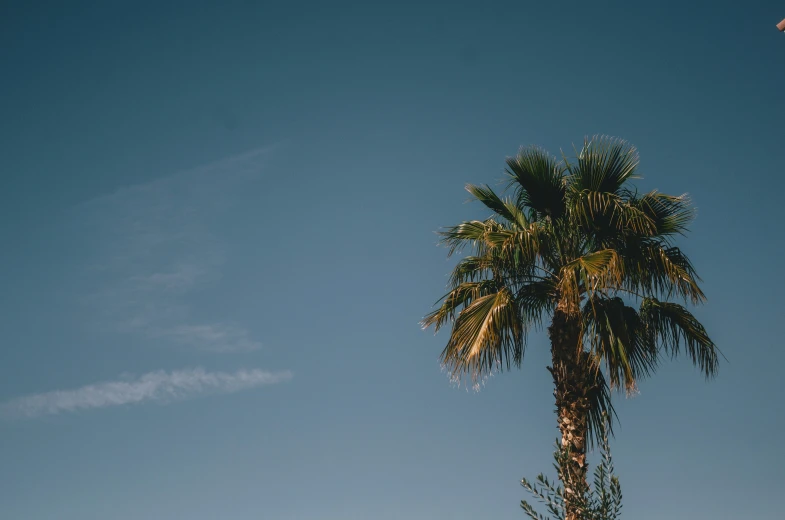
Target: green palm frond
[604,265]
[599,270]
[603,165]
[505,208]
[601,410]
[671,326]
[656,269]
[468,234]
[670,214]
[488,333]
[519,247]
[617,337]
[470,269]
[606,213]
[460,297]
[536,299]
[538,182]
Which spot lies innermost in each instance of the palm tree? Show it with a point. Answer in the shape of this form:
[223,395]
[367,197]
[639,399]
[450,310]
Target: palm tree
[575,244]
[601,503]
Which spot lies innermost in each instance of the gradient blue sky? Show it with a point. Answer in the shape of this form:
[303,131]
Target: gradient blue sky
[217,234]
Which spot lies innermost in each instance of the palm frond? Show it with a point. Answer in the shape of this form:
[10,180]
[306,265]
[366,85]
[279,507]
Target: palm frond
[656,269]
[520,248]
[616,336]
[599,212]
[536,299]
[487,334]
[671,326]
[470,269]
[505,208]
[460,297]
[671,215]
[599,270]
[471,233]
[603,165]
[538,182]
[601,410]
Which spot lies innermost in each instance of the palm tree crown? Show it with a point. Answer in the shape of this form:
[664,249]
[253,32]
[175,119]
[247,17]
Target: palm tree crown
[573,243]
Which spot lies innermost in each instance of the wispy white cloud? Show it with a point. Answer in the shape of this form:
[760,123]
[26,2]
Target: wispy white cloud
[180,277]
[219,337]
[159,386]
[155,252]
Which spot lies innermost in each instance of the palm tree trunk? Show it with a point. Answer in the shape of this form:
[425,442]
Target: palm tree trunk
[571,378]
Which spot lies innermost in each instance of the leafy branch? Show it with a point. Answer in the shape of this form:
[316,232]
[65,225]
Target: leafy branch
[602,501]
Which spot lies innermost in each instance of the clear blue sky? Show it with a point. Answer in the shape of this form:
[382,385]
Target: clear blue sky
[217,241]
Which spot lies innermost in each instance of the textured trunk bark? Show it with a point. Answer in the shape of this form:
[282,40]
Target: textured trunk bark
[572,382]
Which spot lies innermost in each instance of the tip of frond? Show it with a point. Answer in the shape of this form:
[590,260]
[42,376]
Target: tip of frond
[459,377]
[524,149]
[606,138]
[604,141]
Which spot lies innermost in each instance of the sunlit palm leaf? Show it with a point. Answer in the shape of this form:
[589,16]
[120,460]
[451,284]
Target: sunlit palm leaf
[505,208]
[470,269]
[600,270]
[520,247]
[487,334]
[457,299]
[670,214]
[468,234]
